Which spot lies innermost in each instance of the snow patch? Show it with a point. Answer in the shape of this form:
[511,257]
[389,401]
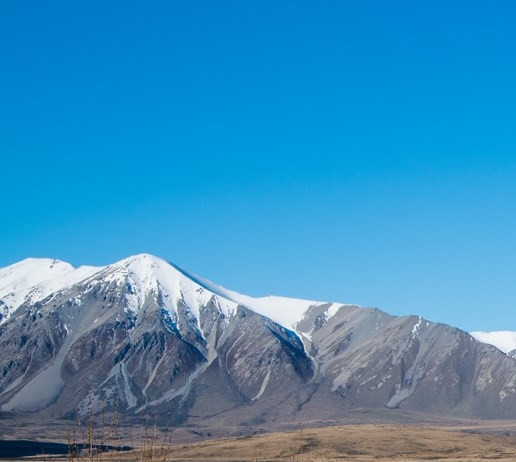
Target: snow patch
[264,386]
[416,327]
[284,311]
[503,340]
[34,279]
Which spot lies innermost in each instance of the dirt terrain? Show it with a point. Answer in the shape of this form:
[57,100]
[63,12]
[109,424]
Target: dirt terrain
[360,443]
[472,441]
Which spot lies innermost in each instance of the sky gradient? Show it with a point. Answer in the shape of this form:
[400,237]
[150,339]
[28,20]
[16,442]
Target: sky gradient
[361,152]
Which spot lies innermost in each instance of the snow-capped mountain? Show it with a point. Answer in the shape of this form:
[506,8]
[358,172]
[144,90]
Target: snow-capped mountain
[143,335]
[33,279]
[503,340]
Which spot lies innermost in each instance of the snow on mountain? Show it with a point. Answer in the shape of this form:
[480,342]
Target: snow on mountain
[145,332]
[148,335]
[282,310]
[34,279]
[503,340]
[147,273]
[143,275]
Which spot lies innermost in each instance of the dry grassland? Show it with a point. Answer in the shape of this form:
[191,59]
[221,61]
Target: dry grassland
[356,443]
[473,442]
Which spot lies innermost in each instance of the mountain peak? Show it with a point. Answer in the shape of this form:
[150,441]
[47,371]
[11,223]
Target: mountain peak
[143,258]
[30,279]
[33,279]
[145,274]
[143,265]
[38,268]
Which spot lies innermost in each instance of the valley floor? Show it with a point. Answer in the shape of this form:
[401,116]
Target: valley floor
[364,443]
[359,443]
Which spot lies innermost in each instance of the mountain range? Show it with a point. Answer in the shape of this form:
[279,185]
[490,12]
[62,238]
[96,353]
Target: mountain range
[144,336]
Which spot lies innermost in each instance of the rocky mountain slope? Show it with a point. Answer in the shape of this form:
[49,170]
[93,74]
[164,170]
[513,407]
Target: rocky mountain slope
[144,336]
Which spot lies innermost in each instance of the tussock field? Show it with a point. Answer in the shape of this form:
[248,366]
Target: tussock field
[357,443]
[472,442]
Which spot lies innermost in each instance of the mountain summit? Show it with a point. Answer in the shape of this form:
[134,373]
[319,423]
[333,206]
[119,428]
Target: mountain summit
[143,335]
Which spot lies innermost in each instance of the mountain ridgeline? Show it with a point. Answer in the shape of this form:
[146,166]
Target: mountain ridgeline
[143,336]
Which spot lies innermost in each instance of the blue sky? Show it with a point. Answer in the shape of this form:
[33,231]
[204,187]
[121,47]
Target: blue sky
[360,151]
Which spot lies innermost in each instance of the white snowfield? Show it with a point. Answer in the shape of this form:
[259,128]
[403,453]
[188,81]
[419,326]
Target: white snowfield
[32,280]
[503,340]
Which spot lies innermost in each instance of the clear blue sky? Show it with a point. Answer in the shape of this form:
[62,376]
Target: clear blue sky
[356,151]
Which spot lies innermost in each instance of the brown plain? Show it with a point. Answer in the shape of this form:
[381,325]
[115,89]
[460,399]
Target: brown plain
[357,443]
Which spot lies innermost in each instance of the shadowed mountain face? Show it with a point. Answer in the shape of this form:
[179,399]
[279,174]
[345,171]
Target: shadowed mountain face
[143,336]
